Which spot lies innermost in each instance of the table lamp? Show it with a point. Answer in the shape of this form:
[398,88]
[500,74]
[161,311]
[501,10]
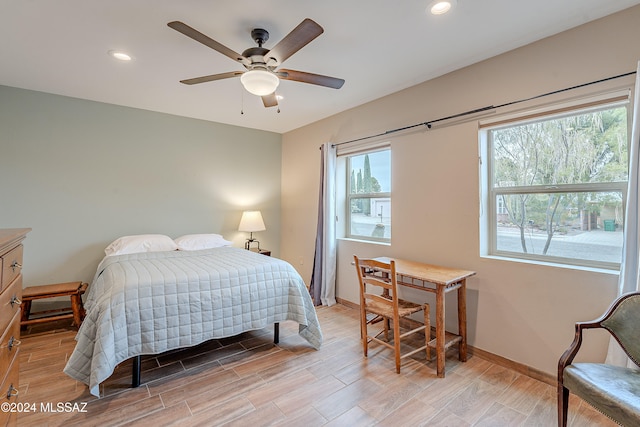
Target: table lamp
[251,221]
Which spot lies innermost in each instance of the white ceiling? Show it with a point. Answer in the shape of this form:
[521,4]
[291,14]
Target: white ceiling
[377,46]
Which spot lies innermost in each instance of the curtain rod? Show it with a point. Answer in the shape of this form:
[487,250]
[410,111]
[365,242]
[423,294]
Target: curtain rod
[479,110]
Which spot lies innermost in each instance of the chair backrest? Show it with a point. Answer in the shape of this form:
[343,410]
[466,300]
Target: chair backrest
[384,279]
[622,321]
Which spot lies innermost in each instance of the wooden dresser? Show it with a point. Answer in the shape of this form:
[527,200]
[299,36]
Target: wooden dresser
[10,294]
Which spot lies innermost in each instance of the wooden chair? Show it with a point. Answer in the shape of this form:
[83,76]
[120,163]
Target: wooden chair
[388,307]
[612,390]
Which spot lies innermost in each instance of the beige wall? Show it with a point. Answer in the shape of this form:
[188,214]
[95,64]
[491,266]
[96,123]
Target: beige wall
[82,173]
[520,311]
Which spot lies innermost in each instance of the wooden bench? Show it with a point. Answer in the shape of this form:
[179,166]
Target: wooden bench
[74,290]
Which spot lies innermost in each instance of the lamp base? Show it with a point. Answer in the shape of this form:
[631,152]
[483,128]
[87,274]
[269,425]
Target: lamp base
[247,244]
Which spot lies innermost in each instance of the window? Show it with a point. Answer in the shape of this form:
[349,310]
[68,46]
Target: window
[369,195]
[555,186]
[501,207]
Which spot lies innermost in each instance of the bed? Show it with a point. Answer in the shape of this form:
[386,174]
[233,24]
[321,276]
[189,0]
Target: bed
[152,302]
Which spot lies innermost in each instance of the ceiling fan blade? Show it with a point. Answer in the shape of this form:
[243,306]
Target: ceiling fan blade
[270,100]
[298,38]
[314,79]
[196,35]
[211,78]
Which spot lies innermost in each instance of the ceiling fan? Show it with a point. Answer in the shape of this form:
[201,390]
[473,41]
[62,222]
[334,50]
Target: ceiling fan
[262,75]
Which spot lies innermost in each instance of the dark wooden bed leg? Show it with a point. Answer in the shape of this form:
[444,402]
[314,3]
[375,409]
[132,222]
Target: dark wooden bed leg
[276,333]
[135,372]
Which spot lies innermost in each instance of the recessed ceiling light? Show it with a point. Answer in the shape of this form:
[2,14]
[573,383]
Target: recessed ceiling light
[279,97]
[439,7]
[119,55]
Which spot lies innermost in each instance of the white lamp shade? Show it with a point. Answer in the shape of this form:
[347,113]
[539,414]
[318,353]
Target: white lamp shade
[251,221]
[260,82]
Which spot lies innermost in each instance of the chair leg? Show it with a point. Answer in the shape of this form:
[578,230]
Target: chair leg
[363,331]
[563,405]
[396,342]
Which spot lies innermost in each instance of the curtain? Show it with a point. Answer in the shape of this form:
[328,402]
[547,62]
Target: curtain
[323,279]
[630,266]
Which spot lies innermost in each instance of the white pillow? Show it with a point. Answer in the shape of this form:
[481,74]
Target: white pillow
[194,242]
[141,243]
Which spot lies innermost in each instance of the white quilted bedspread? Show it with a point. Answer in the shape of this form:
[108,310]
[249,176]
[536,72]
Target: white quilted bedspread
[149,303]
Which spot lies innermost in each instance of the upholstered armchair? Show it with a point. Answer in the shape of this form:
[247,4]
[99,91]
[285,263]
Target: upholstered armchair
[612,390]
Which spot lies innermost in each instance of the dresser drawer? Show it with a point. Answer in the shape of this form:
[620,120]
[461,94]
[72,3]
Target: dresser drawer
[8,305]
[8,393]
[9,344]
[11,266]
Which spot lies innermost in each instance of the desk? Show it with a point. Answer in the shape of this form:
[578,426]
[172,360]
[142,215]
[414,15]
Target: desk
[440,281]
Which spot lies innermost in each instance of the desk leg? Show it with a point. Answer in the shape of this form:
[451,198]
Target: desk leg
[440,333]
[462,320]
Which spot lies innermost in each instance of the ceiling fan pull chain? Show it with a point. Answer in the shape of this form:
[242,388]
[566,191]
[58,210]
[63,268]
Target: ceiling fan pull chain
[241,101]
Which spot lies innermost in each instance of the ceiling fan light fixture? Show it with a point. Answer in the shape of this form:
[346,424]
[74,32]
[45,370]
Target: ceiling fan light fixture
[439,7]
[260,82]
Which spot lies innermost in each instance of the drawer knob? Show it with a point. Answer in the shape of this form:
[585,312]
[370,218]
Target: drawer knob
[15,301]
[14,265]
[12,392]
[13,342]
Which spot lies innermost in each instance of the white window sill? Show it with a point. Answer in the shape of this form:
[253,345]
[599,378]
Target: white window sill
[552,264]
[373,242]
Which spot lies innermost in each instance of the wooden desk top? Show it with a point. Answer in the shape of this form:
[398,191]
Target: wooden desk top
[427,272]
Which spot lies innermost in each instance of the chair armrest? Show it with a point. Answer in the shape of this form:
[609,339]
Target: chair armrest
[568,356]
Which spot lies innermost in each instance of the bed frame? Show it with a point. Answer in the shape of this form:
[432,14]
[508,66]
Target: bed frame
[137,360]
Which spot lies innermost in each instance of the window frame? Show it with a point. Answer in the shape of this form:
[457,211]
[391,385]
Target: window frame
[349,197]
[492,191]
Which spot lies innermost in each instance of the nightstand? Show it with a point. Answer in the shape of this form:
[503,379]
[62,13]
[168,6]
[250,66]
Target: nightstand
[266,252]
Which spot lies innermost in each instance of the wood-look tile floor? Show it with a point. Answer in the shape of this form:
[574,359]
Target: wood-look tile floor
[249,381]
